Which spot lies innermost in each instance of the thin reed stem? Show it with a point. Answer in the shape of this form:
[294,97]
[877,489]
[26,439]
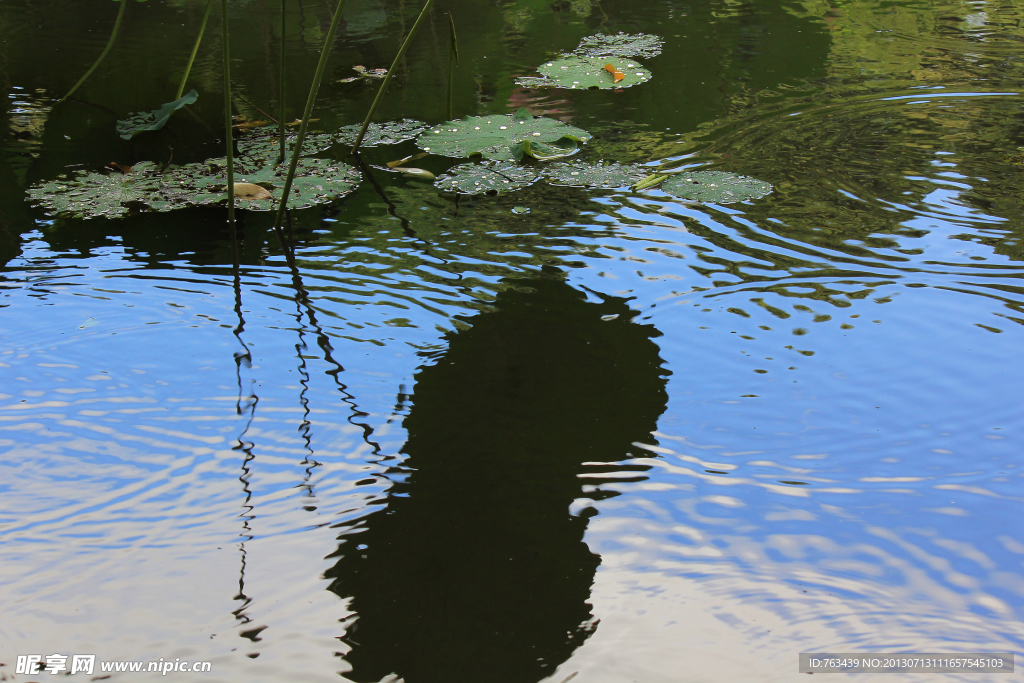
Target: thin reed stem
[228,137]
[281,85]
[195,50]
[110,44]
[391,72]
[301,137]
[453,59]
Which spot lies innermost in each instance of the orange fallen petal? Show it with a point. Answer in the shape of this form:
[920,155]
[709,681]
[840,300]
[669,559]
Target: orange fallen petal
[616,74]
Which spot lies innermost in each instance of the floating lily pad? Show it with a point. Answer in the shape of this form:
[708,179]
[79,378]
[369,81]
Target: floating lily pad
[316,181]
[92,195]
[488,177]
[266,147]
[621,45]
[579,72]
[503,137]
[581,174]
[389,133]
[88,195]
[153,120]
[716,187]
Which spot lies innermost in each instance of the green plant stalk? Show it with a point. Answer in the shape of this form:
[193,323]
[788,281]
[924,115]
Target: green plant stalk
[391,72]
[453,59]
[195,50]
[228,137]
[281,83]
[301,137]
[110,44]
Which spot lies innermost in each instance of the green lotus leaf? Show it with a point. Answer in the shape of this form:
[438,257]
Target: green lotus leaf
[716,187]
[621,45]
[494,137]
[153,120]
[602,175]
[579,72]
[316,181]
[265,148]
[92,195]
[389,133]
[543,152]
[487,177]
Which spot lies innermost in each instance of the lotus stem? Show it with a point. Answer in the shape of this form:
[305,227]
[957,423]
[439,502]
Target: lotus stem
[301,137]
[453,59]
[110,44]
[195,50]
[280,87]
[391,72]
[228,137]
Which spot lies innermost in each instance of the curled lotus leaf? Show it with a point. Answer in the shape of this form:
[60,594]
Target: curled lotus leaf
[717,187]
[153,120]
[388,133]
[88,194]
[579,72]
[265,148]
[503,137]
[621,45]
[487,177]
[601,175]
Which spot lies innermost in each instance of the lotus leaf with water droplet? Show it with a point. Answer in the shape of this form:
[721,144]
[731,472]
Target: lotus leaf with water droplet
[601,175]
[265,148]
[317,181]
[715,187]
[503,137]
[388,133]
[488,177]
[621,45]
[579,72]
[90,195]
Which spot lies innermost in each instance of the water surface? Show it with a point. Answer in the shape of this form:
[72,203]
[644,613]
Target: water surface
[619,435]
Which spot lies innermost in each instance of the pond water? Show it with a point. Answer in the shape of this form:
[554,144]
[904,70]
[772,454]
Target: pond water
[559,431]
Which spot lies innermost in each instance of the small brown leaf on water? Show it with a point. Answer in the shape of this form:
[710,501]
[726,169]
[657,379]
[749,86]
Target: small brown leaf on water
[251,191]
[246,125]
[114,166]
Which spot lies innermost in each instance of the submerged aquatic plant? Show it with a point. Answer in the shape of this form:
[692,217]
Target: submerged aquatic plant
[153,120]
[503,138]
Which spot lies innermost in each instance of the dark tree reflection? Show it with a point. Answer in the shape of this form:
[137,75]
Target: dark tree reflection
[475,567]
